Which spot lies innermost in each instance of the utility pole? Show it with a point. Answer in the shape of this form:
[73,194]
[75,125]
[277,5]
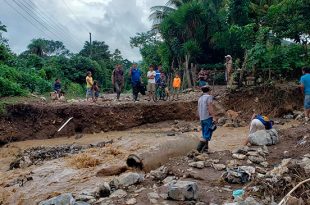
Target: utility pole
[91,46]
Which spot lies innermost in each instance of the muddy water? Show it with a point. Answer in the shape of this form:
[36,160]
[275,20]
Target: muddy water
[58,176]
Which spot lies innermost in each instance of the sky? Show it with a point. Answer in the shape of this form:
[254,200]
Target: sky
[70,21]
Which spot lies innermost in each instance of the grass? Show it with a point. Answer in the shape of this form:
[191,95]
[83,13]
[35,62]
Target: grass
[83,160]
[4,101]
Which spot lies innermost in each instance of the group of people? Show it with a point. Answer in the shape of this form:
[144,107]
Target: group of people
[208,119]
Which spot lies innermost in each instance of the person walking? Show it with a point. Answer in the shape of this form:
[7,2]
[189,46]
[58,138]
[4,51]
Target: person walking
[305,88]
[151,82]
[135,75]
[118,80]
[207,118]
[89,84]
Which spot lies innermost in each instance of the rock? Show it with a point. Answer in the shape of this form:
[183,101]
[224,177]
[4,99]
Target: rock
[131,201]
[140,190]
[198,165]
[153,201]
[120,193]
[81,203]
[264,164]
[233,163]
[164,196]
[239,156]
[253,153]
[201,157]
[265,149]
[264,137]
[289,116]
[160,173]
[221,121]
[129,178]
[219,167]
[183,190]
[169,179]
[256,160]
[104,190]
[60,200]
[85,198]
[261,170]
[242,150]
[229,125]
[112,170]
[200,203]
[279,170]
[153,195]
[291,200]
[305,164]
[248,169]
[249,201]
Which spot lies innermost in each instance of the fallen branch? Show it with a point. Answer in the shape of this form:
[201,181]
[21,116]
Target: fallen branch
[283,201]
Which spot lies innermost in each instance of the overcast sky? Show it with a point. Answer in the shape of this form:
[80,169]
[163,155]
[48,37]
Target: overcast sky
[70,21]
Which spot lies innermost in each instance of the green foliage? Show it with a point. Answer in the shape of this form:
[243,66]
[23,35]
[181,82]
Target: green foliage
[9,88]
[74,89]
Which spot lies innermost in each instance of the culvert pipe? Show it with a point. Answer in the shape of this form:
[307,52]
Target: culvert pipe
[159,154]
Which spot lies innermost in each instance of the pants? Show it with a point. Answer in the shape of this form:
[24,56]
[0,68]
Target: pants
[307,102]
[206,129]
[118,89]
[135,90]
[256,125]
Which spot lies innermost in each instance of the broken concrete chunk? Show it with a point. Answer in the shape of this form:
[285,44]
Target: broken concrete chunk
[129,178]
[160,173]
[219,167]
[239,156]
[183,190]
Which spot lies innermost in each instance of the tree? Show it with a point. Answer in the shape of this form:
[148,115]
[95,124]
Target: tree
[42,47]
[3,29]
[117,57]
[97,51]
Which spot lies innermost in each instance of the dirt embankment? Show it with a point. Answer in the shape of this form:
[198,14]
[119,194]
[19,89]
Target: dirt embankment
[274,101]
[41,121]
[33,121]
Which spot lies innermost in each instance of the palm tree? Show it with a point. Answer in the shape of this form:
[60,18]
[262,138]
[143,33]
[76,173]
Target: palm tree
[38,47]
[158,13]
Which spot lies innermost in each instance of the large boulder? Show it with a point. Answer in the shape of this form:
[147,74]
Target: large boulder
[183,190]
[264,137]
[129,178]
[64,199]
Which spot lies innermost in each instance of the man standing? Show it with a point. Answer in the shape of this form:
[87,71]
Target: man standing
[228,72]
[135,75]
[89,84]
[207,118]
[151,82]
[305,88]
[118,80]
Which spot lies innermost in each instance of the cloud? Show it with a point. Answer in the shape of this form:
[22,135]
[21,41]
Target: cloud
[112,21]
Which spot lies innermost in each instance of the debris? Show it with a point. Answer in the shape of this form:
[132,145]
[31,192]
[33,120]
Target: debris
[183,190]
[120,193]
[238,194]
[264,137]
[219,167]
[160,173]
[65,124]
[198,165]
[61,199]
[104,190]
[131,201]
[256,159]
[236,176]
[239,156]
[129,178]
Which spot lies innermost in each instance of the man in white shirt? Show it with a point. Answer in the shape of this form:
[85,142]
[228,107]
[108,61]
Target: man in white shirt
[151,82]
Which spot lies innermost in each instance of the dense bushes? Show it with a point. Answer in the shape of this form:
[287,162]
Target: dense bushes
[16,82]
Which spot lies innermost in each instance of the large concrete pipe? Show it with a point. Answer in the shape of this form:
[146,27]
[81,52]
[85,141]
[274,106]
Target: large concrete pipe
[158,155]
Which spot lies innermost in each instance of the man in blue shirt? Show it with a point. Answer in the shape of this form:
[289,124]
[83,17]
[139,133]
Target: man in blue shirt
[305,88]
[157,76]
[135,75]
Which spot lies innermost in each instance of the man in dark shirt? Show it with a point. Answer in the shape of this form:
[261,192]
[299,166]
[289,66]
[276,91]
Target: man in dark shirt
[118,80]
[57,87]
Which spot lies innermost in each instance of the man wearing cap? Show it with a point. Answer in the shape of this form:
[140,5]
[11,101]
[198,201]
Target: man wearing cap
[207,118]
[228,71]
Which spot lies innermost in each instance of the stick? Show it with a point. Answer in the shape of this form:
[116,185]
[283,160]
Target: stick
[64,124]
[288,194]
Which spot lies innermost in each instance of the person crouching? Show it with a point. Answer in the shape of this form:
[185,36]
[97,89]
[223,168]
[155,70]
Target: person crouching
[207,118]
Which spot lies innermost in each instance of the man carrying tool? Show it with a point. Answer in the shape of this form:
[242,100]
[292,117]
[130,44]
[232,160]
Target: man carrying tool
[207,118]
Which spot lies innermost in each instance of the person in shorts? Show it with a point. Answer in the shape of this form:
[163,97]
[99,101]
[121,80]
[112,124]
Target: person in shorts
[151,85]
[118,80]
[57,88]
[89,84]
[95,91]
[305,88]
[176,86]
[207,118]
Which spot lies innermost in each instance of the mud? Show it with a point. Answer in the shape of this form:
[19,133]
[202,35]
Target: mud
[32,121]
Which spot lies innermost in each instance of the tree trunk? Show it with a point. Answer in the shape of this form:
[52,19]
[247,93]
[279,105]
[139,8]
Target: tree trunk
[188,76]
